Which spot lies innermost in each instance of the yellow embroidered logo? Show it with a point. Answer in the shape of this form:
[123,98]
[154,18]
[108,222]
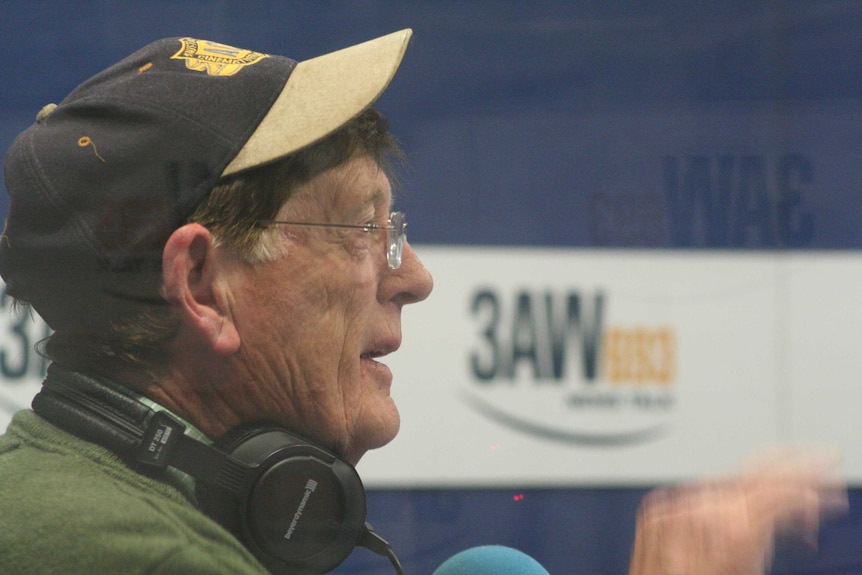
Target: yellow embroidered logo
[215,59]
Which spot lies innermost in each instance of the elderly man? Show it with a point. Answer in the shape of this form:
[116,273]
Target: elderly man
[210,233]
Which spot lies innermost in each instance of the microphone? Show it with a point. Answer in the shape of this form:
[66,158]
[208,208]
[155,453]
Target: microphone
[491,560]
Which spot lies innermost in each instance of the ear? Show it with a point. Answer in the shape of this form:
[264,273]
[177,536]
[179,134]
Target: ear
[195,283]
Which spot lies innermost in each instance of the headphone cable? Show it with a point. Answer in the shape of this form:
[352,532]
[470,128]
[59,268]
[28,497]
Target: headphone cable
[371,540]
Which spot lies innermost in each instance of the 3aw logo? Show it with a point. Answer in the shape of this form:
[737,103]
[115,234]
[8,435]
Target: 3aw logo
[544,362]
[21,368]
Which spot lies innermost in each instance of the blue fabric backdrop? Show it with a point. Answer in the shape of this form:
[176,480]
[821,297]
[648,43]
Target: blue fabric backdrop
[493,105]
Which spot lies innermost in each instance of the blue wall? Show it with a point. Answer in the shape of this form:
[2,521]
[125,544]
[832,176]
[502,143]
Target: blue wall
[499,107]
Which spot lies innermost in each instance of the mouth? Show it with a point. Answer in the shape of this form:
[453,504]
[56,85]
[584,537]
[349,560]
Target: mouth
[373,355]
[378,351]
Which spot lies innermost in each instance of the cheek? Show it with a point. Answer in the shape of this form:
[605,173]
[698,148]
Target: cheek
[316,317]
[338,307]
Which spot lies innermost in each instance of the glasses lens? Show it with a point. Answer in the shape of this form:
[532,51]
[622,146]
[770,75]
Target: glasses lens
[397,228]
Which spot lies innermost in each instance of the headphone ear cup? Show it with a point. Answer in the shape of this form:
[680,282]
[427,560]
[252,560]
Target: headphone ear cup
[303,508]
[217,502]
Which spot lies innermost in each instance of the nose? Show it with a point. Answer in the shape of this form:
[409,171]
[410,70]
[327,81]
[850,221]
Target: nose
[410,283]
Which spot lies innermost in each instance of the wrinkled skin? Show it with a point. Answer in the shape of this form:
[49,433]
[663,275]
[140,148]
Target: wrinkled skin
[297,340]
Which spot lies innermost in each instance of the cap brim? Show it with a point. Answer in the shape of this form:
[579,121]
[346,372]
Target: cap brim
[320,96]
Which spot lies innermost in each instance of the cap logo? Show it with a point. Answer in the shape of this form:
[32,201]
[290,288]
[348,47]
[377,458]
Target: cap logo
[215,59]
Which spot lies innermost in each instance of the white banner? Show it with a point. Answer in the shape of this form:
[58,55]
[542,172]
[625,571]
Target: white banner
[584,367]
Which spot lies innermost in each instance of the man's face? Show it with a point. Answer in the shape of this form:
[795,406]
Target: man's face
[315,323]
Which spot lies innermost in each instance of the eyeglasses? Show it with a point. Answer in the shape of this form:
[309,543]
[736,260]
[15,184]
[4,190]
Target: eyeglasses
[396,225]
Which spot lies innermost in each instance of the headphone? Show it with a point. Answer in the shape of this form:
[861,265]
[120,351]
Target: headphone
[296,506]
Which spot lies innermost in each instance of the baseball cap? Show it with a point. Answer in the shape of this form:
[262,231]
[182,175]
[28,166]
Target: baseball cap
[99,182]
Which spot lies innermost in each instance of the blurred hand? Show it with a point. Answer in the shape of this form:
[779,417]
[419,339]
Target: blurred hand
[728,526]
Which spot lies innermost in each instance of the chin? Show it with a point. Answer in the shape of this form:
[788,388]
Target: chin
[381,434]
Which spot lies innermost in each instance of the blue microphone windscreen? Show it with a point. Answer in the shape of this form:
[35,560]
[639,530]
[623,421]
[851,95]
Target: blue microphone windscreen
[491,560]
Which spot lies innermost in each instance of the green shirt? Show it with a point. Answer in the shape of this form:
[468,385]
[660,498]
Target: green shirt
[73,508]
